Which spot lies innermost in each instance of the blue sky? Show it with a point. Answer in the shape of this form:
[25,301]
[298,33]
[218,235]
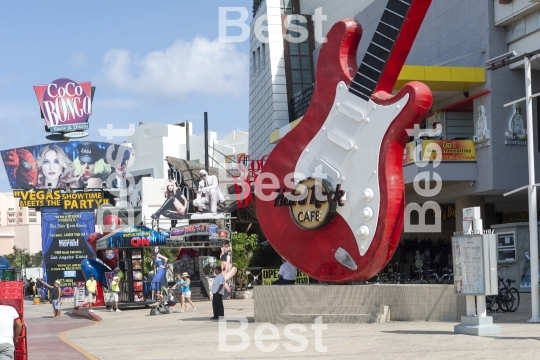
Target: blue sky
[150,61]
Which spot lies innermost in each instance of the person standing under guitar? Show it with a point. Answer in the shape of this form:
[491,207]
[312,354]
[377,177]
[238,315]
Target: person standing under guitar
[286,274]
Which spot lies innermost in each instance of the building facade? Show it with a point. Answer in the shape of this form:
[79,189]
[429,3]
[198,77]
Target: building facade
[455,40]
[19,226]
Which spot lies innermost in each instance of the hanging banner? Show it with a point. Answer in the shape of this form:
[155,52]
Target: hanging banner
[55,198]
[211,230]
[64,235]
[131,236]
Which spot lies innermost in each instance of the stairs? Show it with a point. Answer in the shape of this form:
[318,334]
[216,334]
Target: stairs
[198,293]
[335,314]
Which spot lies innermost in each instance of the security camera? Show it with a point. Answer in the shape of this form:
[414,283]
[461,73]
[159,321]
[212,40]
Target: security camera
[472,184]
[466,94]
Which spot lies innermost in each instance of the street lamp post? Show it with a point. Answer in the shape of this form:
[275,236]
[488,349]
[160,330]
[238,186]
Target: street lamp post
[494,64]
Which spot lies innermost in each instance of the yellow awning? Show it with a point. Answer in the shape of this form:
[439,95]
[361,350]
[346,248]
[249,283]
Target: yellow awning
[442,78]
[438,78]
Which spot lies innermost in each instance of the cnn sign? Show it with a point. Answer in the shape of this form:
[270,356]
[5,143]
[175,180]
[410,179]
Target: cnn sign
[65,104]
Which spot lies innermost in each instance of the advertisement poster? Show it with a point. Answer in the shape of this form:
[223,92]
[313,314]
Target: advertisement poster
[211,230]
[64,235]
[271,275]
[467,255]
[452,150]
[131,236]
[74,164]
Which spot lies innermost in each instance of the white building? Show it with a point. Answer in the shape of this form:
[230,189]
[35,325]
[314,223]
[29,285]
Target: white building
[153,142]
[20,227]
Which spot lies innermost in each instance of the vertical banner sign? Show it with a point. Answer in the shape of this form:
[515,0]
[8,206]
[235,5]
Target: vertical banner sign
[64,234]
[467,252]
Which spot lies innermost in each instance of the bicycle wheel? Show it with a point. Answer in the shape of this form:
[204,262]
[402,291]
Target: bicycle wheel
[513,299]
[490,301]
[502,300]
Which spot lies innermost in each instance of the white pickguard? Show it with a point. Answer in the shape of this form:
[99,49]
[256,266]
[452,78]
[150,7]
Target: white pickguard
[347,150]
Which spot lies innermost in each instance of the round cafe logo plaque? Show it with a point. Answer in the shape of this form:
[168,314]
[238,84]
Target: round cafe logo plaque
[315,203]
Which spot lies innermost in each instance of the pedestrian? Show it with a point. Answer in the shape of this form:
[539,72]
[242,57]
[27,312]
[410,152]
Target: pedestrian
[286,274]
[10,329]
[31,284]
[218,290]
[25,286]
[39,287]
[115,288]
[91,287]
[185,283]
[56,297]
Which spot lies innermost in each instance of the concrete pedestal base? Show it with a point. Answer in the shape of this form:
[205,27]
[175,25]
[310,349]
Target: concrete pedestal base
[479,326]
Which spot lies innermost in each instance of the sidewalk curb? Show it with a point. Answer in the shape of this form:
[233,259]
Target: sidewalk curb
[86,314]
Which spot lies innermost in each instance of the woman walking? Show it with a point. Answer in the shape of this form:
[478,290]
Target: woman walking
[183,284]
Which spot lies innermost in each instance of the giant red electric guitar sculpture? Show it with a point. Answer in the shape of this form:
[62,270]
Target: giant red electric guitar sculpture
[354,134]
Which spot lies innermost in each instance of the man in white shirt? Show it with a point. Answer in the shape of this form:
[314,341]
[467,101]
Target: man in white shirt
[287,274]
[10,329]
[218,290]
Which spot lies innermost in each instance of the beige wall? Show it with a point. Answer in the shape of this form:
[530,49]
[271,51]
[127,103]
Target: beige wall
[334,10]
[22,236]
[11,214]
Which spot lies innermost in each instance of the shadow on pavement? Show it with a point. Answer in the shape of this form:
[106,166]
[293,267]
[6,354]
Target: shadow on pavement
[420,332]
[249,319]
[514,338]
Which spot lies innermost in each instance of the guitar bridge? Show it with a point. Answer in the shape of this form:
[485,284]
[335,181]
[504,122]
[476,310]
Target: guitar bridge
[345,259]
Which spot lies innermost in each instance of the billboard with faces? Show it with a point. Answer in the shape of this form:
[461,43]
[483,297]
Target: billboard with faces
[76,164]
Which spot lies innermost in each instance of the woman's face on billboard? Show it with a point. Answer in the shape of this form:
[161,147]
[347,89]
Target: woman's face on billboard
[88,169]
[51,167]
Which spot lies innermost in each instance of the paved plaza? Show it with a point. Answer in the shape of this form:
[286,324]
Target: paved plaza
[134,334]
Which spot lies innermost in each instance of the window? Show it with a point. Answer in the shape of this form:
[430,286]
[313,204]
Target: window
[11,221]
[32,214]
[11,214]
[258,59]
[286,6]
[33,220]
[11,209]
[263,56]
[506,247]
[253,64]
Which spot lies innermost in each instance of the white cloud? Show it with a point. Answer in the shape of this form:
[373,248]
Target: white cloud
[78,61]
[197,67]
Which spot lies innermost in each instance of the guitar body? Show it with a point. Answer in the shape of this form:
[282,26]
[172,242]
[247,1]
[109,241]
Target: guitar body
[357,144]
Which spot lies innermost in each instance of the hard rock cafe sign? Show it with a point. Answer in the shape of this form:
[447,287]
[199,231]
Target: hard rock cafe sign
[312,204]
[354,131]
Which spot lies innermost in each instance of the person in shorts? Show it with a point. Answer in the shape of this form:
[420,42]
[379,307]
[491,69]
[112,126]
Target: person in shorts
[183,284]
[56,297]
[115,288]
[10,329]
[91,287]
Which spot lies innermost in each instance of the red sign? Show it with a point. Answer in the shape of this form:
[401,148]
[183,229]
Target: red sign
[140,241]
[65,104]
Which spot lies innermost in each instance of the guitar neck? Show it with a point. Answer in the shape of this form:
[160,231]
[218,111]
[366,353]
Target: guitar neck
[389,47]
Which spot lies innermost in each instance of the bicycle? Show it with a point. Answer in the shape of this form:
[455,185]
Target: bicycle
[508,298]
[447,276]
[421,279]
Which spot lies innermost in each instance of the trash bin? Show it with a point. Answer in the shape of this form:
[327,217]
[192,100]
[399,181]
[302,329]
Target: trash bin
[8,274]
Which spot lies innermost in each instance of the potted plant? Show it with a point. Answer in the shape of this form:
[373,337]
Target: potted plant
[243,247]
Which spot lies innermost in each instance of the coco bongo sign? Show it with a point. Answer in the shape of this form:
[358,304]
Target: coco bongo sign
[65,105]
